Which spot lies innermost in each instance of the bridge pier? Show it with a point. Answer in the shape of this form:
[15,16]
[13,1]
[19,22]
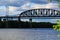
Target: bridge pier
[0,19]
[19,23]
[30,20]
[19,18]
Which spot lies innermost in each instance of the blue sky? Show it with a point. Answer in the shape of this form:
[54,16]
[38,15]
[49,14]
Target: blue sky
[15,7]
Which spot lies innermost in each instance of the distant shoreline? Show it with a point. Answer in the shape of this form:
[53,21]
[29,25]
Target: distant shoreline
[21,24]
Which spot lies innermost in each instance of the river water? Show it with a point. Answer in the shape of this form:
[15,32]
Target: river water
[29,34]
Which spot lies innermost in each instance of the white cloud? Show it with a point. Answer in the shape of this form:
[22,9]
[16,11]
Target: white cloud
[12,8]
[17,10]
[29,5]
[12,2]
[34,6]
[2,10]
[52,5]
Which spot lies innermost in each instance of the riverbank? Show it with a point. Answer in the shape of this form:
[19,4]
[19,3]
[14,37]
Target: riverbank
[21,24]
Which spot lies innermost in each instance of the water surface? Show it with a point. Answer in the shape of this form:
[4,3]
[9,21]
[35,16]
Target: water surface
[29,34]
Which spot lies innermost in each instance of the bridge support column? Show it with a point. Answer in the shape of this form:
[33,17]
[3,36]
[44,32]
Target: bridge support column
[19,18]
[30,20]
[0,19]
[19,23]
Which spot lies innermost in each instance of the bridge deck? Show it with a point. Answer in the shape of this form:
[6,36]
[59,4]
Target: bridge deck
[33,17]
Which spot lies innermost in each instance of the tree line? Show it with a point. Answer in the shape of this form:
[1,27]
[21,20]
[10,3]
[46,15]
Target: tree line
[21,24]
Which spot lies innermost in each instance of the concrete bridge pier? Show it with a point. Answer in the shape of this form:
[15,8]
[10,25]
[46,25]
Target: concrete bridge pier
[0,19]
[30,20]
[19,18]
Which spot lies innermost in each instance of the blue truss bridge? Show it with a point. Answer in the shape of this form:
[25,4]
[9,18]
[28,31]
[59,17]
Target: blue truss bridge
[41,13]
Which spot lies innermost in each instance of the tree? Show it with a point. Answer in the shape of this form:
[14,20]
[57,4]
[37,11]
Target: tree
[57,27]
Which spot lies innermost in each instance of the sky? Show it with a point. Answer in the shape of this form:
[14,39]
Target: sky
[15,7]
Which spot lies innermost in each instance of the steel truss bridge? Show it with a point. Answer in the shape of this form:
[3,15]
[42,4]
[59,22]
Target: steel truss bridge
[35,14]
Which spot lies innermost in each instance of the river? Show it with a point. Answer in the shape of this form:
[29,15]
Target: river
[29,34]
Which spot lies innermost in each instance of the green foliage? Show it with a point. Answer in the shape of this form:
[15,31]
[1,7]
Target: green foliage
[50,0]
[57,20]
[58,0]
[57,27]
[58,35]
[59,5]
